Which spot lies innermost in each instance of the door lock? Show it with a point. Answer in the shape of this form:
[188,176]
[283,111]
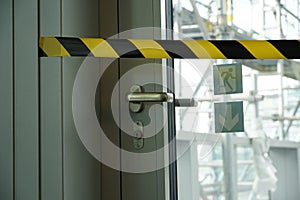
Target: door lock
[138,140]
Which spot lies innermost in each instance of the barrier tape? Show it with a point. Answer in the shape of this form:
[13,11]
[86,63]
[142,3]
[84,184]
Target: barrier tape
[189,49]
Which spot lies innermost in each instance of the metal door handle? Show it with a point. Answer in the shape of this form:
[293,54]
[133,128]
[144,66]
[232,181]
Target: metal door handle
[150,97]
[137,97]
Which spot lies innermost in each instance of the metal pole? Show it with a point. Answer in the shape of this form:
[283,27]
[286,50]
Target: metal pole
[222,19]
[264,16]
[181,113]
[254,93]
[222,12]
[229,12]
[278,19]
[199,20]
[289,12]
[297,25]
[280,70]
[291,121]
[229,167]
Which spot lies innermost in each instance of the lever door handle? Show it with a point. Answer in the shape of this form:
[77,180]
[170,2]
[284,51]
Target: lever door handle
[137,97]
[140,97]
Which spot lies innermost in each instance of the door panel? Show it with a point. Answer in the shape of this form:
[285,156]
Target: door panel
[81,170]
[110,178]
[51,108]
[26,99]
[6,100]
[147,185]
[51,130]
[143,185]
[45,159]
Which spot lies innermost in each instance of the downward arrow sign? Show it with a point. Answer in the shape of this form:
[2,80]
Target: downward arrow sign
[228,121]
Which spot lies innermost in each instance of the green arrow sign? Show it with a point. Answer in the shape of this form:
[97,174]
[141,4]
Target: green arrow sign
[228,79]
[229,117]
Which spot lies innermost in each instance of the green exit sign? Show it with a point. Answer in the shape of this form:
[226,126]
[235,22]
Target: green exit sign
[229,117]
[228,79]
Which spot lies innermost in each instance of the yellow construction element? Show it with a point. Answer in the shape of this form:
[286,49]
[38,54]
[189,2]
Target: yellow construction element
[204,49]
[150,48]
[185,49]
[99,47]
[261,49]
[51,46]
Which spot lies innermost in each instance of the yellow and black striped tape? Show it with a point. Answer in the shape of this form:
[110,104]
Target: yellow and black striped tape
[132,48]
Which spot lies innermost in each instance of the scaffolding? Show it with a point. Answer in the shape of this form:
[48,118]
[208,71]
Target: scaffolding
[275,105]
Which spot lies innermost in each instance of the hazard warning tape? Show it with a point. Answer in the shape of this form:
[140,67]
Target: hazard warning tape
[189,49]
